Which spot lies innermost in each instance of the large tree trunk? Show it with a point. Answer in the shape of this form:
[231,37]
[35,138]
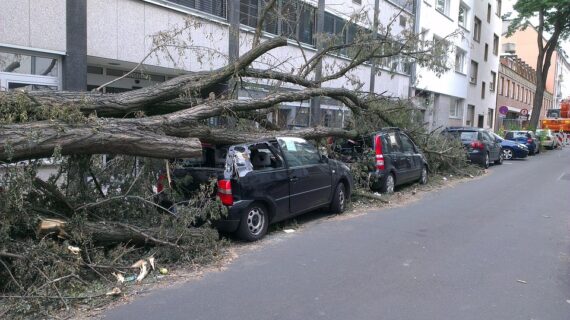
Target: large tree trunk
[42,139]
[107,233]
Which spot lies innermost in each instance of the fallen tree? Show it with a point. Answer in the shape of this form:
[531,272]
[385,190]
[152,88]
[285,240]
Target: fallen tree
[105,210]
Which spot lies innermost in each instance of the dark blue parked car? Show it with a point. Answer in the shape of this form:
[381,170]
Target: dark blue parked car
[511,149]
[525,137]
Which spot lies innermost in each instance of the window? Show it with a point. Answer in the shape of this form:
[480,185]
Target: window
[299,152]
[456,109]
[334,26]
[518,94]
[489,12]
[473,72]
[394,144]
[407,144]
[486,54]
[442,6]
[406,4]
[492,83]
[513,90]
[297,20]
[508,88]
[263,157]
[214,7]
[459,60]
[402,21]
[248,12]
[483,90]
[498,12]
[441,47]
[490,114]
[462,16]
[476,29]
[495,44]
[357,1]
[28,64]
[502,86]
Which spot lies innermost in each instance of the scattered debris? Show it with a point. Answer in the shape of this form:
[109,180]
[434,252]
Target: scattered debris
[120,277]
[289,230]
[545,216]
[471,176]
[151,261]
[377,194]
[444,179]
[130,278]
[74,250]
[144,272]
[138,264]
[522,281]
[115,292]
[163,270]
[568,301]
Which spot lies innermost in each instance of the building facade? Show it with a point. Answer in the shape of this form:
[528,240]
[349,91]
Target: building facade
[465,95]
[81,45]
[516,88]
[523,43]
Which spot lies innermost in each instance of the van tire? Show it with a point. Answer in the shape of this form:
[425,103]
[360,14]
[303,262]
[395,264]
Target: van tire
[254,222]
[388,184]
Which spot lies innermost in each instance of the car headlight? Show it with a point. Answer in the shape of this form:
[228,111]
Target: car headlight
[522,146]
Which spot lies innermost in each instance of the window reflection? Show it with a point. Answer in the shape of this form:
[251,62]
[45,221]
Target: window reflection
[28,64]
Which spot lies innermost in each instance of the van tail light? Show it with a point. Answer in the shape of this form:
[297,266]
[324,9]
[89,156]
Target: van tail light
[379,154]
[160,184]
[477,145]
[529,140]
[225,192]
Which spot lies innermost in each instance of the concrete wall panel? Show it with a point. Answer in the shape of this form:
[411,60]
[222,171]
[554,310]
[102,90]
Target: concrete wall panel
[102,38]
[130,30]
[15,22]
[47,30]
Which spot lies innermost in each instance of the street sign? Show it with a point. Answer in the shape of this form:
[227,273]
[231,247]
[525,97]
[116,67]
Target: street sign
[524,112]
[503,110]
[502,116]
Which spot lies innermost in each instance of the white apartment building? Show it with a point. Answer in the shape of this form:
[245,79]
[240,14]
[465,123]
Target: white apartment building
[465,95]
[82,44]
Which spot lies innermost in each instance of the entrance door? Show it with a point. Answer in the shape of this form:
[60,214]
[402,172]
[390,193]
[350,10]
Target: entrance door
[480,121]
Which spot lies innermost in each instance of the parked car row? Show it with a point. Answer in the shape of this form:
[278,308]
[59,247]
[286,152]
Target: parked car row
[267,181]
[485,147]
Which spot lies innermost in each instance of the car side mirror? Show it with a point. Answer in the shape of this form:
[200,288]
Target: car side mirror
[324,159]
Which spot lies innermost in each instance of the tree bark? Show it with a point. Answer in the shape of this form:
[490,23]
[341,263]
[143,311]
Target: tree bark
[111,233]
[40,139]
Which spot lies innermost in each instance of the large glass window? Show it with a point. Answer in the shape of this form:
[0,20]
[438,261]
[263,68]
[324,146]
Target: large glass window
[299,152]
[214,7]
[28,64]
[248,11]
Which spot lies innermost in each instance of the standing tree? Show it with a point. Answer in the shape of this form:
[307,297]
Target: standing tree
[552,20]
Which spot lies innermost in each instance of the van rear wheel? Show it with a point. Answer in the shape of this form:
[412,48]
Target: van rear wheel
[254,222]
[389,184]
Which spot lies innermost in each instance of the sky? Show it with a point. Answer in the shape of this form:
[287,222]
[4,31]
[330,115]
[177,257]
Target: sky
[508,7]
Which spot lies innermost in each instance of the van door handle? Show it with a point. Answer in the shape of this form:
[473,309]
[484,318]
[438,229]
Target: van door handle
[294,179]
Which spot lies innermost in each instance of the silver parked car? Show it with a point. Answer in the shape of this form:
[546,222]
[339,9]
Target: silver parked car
[547,138]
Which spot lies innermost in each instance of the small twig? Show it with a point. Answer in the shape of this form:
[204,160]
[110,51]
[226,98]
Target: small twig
[96,182]
[12,276]
[147,236]
[55,286]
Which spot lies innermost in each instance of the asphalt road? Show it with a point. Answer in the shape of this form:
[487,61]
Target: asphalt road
[492,248]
